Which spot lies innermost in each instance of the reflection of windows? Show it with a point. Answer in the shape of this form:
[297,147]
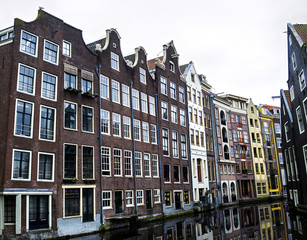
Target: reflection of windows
[45,166]
[21,164]
[70,161]
[28,43]
[51,52]
[47,123]
[107,199]
[87,119]
[49,86]
[26,79]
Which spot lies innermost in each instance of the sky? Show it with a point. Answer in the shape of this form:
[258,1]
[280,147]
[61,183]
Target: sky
[239,45]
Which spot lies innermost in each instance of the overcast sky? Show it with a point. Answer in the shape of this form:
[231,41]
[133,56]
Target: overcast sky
[239,45]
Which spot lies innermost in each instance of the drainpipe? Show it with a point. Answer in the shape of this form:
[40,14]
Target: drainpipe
[100,142]
[215,146]
[159,150]
[133,149]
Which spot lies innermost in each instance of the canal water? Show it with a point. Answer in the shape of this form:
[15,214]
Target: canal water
[265,222]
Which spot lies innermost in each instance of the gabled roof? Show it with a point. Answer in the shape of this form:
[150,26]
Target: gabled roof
[152,63]
[130,57]
[301,29]
[92,46]
[183,67]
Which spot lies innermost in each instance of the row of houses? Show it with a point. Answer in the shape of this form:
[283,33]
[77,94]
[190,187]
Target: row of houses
[89,136]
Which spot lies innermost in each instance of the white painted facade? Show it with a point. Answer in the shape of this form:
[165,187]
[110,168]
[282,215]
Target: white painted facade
[199,163]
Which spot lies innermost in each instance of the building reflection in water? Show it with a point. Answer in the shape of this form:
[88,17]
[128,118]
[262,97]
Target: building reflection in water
[262,222]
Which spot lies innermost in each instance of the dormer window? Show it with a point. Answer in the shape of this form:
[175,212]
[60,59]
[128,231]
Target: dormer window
[172,66]
[142,75]
[66,49]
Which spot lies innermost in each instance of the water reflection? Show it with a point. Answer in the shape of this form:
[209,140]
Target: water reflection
[265,222]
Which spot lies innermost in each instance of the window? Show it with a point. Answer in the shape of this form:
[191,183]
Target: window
[87,86]
[189,93]
[174,113]
[138,164]
[139,197]
[105,122]
[172,66]
[128,163]
[9,209]
[70,115]
[261,168]
[198,98]
[183,146]
[153,133]
[155,165]
[26,79]
[202,139]
[305,156]
[156,195]
[305,108]
[87,162]
[135,99]
[126,127]
[45,166]
[277,127]
[164,110]
[196,137]
[116,124]
[168,199]
[87,119]
[293,61]
[300,119]
[117,162]
[21,164]
[107,199]
[137,129]
[49,86]
[105,161]
[104,87]
[287,133]
[173,90]
[28,43]
[245,136]
[175,144]
[70,81]
[47,123]
[115,91]
[125,95]
[191,114]
[185,174]
[200,118]
[152,106]
[167,174]
[195,115]
[114,61]
[70,161]
[186,197]
[292,96]
[165,142]
[23,118]
[176,174]
[182,117]
[145,128]
[142,75]
[51,52]
[194,95]
[129,198]
[257,168]
[66,49]
[72,202]
[163,85]
[147,172]
[144,105]
[181,95]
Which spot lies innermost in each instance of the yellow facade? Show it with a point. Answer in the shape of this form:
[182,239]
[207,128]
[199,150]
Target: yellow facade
[261,180]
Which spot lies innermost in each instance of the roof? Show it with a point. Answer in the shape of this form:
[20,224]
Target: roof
[183,67]
[287,95]
[301,29]
[152,63]
[92,46]
[130,57]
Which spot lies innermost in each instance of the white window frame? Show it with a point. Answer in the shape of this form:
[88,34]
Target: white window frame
[30,165]
[32,118]
[93,124]
[33,83]
[135,99]
[64,49]
[140,197]
[174,114]
[142,75]
[107,199]
[181,93]
[131,198]
[109,159]
[52,170]
[120,171]
[163,86]
[286,135]
[183,121]
[55,88]
[301,128]
[155,167]
[125,95]
[305,107]
[125,164]
[115,86]
[173,94]
[102,116]
[163,145]
[127,123]
[156,197]
[139,129]
[106,85]
[153,133]
[152,105]
[145,132]
[114,116]
[175,144]
[57,53]
[164,108]
[140,168]
[36,45]
[114,61]
[302,79]
[54,124]
[144,103]
[147,163]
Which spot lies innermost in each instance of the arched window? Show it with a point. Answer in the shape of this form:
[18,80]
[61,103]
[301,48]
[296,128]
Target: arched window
[223,118]
[226,152]
[224,134]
